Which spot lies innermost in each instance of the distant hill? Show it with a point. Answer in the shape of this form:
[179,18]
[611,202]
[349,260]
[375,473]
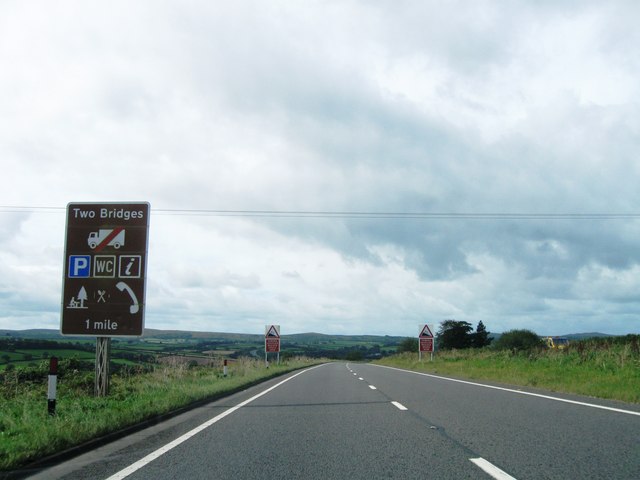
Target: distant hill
[302,338]
[48,334]
[322,337]
[183,334]
[150,333]
[582,336]
[570,336]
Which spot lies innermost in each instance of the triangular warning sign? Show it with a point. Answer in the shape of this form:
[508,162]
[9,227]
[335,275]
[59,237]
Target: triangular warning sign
[426,332]
[272,332]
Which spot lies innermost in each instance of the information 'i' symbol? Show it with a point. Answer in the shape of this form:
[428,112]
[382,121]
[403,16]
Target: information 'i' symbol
[127,270]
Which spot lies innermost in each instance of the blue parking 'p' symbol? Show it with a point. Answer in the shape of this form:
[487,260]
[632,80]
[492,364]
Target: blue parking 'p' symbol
[79,266]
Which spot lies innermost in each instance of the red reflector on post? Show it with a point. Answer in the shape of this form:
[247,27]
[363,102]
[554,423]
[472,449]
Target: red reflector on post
[53,366]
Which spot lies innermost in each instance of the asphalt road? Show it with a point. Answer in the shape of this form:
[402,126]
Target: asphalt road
[355,421]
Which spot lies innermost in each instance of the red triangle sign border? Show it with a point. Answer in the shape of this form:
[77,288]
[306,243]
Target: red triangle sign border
[426,332]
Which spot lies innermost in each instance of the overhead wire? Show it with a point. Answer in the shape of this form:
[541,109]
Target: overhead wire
[357,214]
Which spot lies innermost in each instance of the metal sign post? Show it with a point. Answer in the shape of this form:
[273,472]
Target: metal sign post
[105,264]
[103,354]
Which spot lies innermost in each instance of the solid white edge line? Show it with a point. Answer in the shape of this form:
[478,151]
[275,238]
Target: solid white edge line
[491,469]
[574,402]
[399,406]
[162,450]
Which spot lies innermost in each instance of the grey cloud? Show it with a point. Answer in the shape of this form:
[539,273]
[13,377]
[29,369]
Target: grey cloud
[278,106]
[292,275]
[12,224]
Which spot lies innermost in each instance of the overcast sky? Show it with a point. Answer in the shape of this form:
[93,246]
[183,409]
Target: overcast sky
[458,107]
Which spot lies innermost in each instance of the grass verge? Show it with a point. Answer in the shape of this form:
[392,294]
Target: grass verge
[28,433]
[596,369]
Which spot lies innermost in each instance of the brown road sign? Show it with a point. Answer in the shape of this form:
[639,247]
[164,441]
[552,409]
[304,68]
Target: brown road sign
[105,265]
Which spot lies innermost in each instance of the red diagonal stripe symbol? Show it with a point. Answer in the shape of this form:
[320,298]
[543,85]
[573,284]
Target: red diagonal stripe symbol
[114,233]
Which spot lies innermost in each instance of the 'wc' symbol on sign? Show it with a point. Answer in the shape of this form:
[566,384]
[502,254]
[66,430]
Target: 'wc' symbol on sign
[104,266]
[130,266]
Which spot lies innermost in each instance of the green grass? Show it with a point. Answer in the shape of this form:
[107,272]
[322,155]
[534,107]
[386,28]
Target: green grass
[597,368]
[28,433]
[19,358]
[58,352]
[139,347]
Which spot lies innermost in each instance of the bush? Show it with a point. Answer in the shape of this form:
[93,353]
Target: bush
[355,356]
[408,345]
[518,340]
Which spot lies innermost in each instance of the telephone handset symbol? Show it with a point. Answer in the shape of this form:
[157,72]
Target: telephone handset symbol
[122,287]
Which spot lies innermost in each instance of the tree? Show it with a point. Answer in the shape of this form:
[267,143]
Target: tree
[481,337]
[408,345]
[518,340]
[454,334]
[354,355]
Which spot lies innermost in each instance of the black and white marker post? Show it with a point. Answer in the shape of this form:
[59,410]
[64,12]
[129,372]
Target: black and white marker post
[53,383]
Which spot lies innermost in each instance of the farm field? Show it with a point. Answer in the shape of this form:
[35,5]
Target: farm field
[28,348]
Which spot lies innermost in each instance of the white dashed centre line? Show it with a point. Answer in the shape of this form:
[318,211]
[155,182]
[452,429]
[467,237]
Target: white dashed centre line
[372,387]
[399,406]
[491,469]
[360,378]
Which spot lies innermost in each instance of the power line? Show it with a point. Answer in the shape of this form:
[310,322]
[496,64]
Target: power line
[402,215]
[356,214]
